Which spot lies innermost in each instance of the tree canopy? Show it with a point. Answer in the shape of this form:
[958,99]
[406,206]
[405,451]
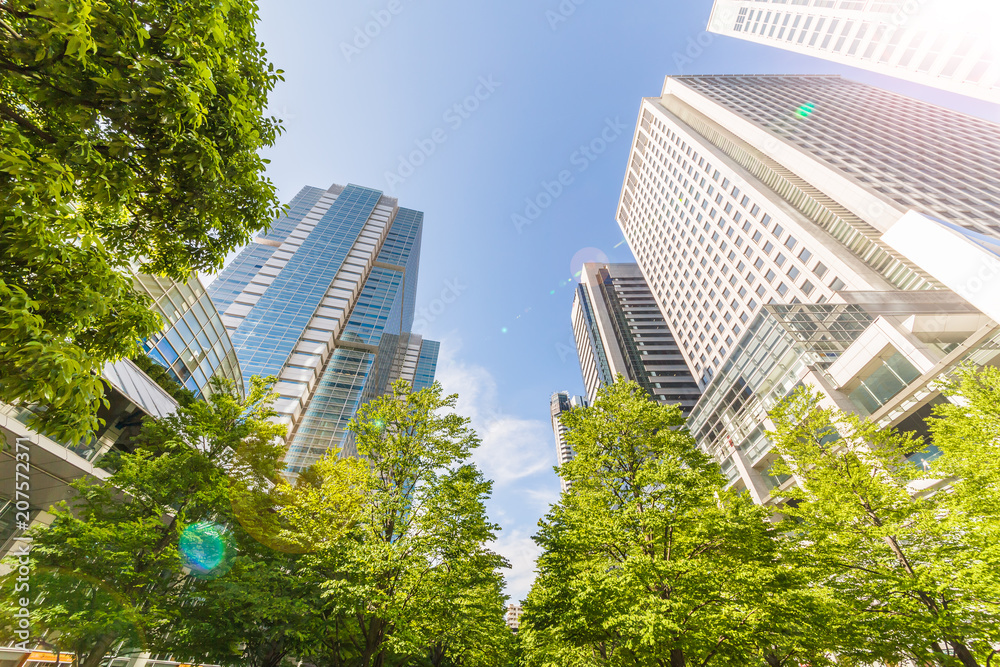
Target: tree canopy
[905,560]
[399,541]
[648,560]
[129,141]
[113,566]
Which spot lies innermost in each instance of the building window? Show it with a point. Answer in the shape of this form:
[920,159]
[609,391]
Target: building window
[884,383]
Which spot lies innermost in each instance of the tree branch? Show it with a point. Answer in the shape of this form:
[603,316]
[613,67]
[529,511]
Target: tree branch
[25,124]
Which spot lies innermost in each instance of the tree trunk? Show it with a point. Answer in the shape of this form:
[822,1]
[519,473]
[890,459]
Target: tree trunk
[772,660]
[676,658]
[100,650]
[273,657]
[373,655]
[437,654]
[963,653]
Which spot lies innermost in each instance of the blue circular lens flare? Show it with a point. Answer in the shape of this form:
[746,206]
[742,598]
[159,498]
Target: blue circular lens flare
[204,547]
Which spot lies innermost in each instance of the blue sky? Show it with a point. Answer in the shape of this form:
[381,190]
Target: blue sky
[533,85]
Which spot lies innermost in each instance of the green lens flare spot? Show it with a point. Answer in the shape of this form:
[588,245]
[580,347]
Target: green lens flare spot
[204,547]
[805,110]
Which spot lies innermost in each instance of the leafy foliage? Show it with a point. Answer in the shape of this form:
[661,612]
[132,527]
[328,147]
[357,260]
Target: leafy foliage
[129,140]
[399,539]
[109,567]
[381,560]
[648,560]
[903,572]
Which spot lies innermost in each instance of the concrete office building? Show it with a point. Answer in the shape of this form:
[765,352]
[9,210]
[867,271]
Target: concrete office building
[325,301]
[619,330]
[949,44]
[513,617]
[790,235]
[561,403]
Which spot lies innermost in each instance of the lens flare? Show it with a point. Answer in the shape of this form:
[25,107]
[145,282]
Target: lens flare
[582,257]
[204,547]
[805,110]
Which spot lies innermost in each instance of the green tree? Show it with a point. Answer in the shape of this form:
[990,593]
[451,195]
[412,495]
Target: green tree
[459,621]
[899,571]
[648,560]
[399,536]
[129,140]
[259,614]
[111,567]
[967,431]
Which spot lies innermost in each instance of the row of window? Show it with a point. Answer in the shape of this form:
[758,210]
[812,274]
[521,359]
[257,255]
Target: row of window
[688,301]
[927,158]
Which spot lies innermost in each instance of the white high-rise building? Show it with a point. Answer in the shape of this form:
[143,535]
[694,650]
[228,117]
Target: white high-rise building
[790,234]
[748,190]
[561,403]
[949,44]
[513,617]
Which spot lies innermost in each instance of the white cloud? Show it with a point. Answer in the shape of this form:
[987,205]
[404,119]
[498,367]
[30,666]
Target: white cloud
[517,547]
[517,454]
[513,448]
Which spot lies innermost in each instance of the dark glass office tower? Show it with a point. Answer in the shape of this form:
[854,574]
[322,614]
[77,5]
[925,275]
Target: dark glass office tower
[325,302]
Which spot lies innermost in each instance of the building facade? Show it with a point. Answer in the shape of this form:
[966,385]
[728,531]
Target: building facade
[324,301]
[749,190]
[789,240]
[619,330]
[949,44]
[193,347]
[513,617]
[561,403]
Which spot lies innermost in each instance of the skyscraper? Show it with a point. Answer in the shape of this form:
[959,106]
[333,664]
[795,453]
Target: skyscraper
[619,330]
[561,403]
[746,190]
[791,236]
[949,44]
[325,301]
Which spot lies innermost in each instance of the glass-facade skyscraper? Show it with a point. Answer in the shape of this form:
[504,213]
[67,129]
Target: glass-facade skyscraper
[324,301]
